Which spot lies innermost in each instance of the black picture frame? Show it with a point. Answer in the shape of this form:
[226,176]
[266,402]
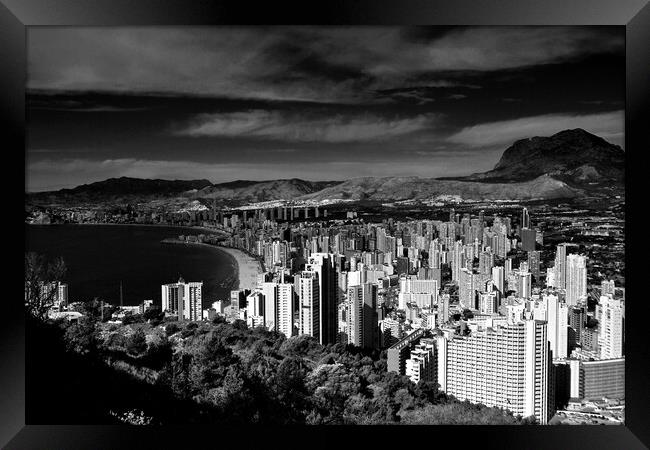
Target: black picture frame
[16,15]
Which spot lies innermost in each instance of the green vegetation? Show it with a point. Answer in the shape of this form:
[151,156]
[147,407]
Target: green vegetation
[239,375]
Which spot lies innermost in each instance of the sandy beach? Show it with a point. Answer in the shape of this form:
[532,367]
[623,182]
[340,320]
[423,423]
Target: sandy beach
[247,267]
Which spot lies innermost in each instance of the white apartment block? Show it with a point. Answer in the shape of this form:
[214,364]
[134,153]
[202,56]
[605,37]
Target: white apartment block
[610,314]
[183,299]
[576,279]
[309,298]
[506,366]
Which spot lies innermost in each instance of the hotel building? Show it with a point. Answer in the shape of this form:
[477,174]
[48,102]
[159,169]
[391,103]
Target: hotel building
[507,366]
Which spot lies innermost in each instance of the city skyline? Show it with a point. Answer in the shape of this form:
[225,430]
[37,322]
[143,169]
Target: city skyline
[444,241]
[327,103]
[450,296]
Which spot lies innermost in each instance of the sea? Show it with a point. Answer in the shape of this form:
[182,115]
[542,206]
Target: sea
[101,257]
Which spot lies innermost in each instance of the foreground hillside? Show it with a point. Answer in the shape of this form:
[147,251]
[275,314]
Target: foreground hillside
[235,375]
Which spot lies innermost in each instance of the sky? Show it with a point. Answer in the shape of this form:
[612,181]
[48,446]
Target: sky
[317,103]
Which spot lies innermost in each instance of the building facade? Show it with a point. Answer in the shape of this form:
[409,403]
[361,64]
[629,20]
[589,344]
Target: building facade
[506,366]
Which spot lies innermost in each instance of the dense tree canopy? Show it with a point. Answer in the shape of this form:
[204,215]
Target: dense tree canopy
[251,375]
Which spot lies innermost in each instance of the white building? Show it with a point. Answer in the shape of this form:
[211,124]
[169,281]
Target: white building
[422,292]
[362,323]
[270,292]
[576,279]
[62,294]
[183,299]
[559,268]
[610,313]
[323,265]
[255,304]
[309,300]
[488,302]
[556,314]
[506,366]
[524,283]
[443,309]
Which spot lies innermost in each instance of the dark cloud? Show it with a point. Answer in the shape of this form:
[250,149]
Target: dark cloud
[316,102]
[329,64]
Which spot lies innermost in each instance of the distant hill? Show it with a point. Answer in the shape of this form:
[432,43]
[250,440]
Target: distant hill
[576,157]
[137,190]
[123,187]
[415,188]
[568,164]
[259,191]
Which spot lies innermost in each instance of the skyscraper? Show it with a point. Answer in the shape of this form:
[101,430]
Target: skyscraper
[556,314]
[507,267]
[498,278]
[576,279]
[486,262]
[525,219]
[278,307]
[284,309]
[534,258]
[172,297]
[62,294]
[309,300]
[183,299]
[506,366]
[560,265]
[323,264]
[434,254]
[270,304]
[466,289]
[577,321]
[362,321]
[457,260]
[194,301]
[610,317]
[443,309]
[524,284]
[528,239]
[488,302]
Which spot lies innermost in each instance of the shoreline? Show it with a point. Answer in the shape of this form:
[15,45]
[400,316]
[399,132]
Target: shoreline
[157,225]
[247,268]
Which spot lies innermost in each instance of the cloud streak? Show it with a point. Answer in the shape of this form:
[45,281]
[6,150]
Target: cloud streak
[274,125]
[608,125]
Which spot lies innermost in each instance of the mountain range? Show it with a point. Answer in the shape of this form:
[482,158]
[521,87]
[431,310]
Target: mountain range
[119,188]
[568,164]
[574,156]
